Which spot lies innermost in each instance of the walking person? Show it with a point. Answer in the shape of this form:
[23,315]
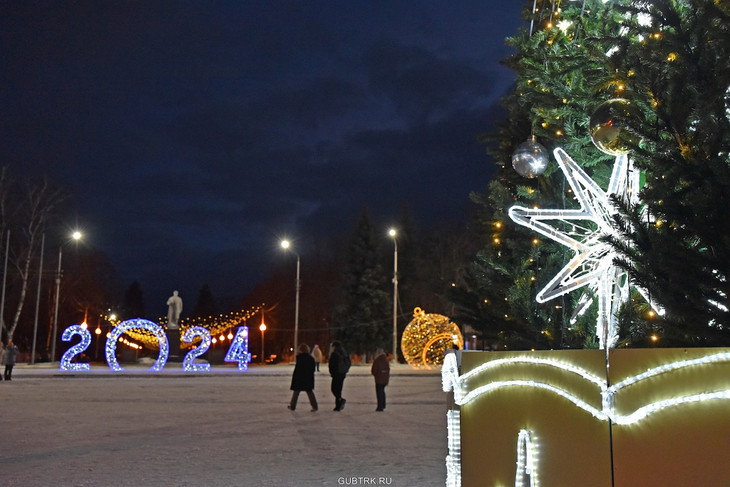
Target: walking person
[339,365]
[381,372]
[9,358]
[303,378]
[317,354]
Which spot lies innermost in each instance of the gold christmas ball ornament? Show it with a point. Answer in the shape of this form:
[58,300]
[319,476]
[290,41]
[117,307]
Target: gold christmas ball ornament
[530,159]
[426,339]
[608,126]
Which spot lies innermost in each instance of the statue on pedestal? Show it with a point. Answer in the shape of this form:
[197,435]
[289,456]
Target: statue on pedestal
[174,308]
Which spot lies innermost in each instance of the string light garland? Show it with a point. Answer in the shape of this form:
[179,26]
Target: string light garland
[452,381]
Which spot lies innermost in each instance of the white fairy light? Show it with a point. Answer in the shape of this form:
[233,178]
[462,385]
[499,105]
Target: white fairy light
[453,381]
[121,328]
[453,460]
[593,262]
[526,459]
[457,383]
[68,334]
[493,386]
[238,351]
[203,347]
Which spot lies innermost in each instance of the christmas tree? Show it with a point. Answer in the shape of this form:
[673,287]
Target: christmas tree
[647,79]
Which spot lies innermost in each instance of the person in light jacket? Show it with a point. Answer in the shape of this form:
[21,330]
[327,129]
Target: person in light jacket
[303,378]
[317,355]
[9,358]
[381,372]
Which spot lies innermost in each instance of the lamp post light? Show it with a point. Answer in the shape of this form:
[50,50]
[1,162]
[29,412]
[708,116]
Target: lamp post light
[286,245]
[392,232]
[262,327]
[76,236]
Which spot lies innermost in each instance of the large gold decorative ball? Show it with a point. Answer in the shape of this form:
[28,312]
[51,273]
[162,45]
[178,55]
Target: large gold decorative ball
[530,158]
[426,339]
[608,126]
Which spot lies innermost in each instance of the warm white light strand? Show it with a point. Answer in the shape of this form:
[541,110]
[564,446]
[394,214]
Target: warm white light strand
[452,381]
[649,409]
[453,460]
[718,357]
[493,386]
[526,459]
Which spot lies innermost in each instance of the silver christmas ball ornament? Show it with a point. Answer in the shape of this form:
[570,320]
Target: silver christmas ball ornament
[530,158]
[608,126]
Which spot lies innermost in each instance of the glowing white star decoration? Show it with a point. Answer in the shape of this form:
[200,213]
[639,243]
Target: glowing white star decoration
[581,230]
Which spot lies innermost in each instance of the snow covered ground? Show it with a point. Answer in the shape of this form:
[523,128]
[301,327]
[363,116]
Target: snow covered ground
[220,428]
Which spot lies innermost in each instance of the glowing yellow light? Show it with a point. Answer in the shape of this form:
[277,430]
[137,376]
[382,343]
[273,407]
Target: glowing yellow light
[427,337]
[535,241]
[559,133]
[230,334]
[672,56]
[496,240]
[97,331]
[84,325]
[498,224]
[654,338]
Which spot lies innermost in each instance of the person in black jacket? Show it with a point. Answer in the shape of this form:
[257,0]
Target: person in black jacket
[339,365]
[303,378]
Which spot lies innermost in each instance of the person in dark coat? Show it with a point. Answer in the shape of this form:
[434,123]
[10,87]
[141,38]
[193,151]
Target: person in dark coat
[381,372]
[303,378]
[9,359]
[339,365]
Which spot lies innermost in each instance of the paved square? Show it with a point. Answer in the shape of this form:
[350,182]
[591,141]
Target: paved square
[221,428]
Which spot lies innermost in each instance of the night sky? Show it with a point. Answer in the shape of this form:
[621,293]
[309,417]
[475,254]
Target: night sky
[194,135]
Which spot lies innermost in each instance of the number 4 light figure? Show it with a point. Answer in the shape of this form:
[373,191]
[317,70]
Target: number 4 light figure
[238,351]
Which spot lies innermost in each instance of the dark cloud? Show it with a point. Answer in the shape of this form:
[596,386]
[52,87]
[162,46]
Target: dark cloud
[194,134]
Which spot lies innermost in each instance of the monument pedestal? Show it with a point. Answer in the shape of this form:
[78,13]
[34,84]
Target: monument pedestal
[173,339]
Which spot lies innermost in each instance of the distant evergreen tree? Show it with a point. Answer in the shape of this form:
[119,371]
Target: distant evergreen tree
[206,305]
[362,320]
[134,302]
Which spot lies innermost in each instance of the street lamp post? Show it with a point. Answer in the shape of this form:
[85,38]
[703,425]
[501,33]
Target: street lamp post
[393,234]
[285,244]
[75,236]
[37,300]
[263,329]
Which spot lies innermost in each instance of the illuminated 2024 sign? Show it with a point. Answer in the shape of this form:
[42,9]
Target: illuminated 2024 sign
[237,352]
